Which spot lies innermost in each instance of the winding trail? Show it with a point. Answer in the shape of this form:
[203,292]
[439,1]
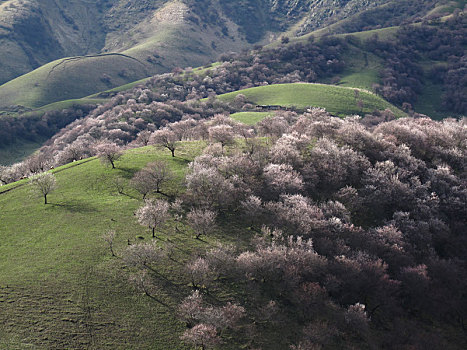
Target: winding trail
[75,58]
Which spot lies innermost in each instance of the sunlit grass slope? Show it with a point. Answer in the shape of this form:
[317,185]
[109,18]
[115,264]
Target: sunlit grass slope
[335,99]
[59,288]
[250,118]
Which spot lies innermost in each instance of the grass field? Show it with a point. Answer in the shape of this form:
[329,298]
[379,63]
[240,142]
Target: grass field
[250,118]
[335,99]
[58,289]
[59,286]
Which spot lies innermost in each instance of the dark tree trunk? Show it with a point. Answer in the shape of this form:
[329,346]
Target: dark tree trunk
[45,199]
[153,232]
[173,152]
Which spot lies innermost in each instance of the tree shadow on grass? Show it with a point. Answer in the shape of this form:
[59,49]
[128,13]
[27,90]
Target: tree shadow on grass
[75,206]
[126,172]
[180,160]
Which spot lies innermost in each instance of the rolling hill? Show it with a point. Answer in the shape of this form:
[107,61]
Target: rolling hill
[40,87]
[335,99]
[159,35]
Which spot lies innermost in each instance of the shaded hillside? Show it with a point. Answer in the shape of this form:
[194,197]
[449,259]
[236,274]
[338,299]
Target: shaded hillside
[359,15]
[35,32]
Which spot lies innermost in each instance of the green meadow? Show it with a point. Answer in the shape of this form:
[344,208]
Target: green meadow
[335,99]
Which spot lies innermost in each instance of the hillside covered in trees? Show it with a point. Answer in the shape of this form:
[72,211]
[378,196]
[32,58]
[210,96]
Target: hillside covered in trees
[303,231]
[405,79]
[307,194]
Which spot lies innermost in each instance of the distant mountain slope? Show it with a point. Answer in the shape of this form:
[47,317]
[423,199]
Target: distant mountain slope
[68,78]
[34,32]
[164,34]
[358,15]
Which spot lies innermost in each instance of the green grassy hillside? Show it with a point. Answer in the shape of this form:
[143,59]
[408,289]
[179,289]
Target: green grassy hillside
[335,99]
[250,118]
[71,78]
[59,286]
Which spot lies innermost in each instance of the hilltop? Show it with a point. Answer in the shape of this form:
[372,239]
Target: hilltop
[338,100]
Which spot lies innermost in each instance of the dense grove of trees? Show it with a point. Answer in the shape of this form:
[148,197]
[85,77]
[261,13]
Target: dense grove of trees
[357,232]
[159,100]
[403,75]
[39,127]
[358,225]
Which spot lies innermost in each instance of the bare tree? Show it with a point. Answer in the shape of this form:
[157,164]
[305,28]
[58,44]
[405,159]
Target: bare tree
[166,138]
[119,184]
[109,238]
[252,208]
[207,321]
[143,137]
[143,282]
[207,186]
[43,183]
[159,172]
[178,212]
[152,177]
[108,153]
[73,152]
[142,254]
[37,163]
[153,214]
[142,183]
[191,308]
[199,272]
[202,221]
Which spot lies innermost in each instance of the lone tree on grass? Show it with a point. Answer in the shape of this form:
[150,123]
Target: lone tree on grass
[109,238]
[153,214]
[160,173]
[43,183]
[142,183]
[108,153]
[152,177]
[166,138]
